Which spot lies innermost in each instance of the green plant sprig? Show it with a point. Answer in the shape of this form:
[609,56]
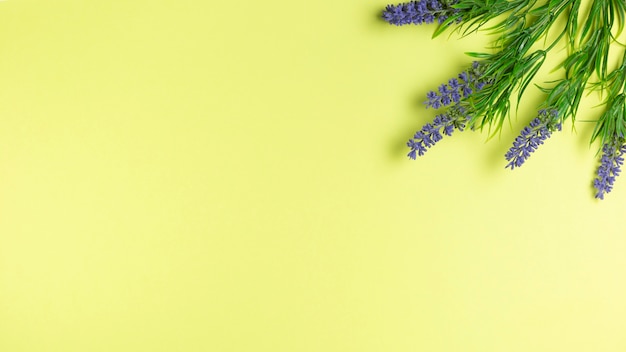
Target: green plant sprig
[579,68]
[592,49]
[513,68]
[474,14]
[612,123]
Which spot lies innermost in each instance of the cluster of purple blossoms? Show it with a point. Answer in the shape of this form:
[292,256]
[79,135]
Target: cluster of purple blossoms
[418,12]
[610,166]
[455,118]
[458,88]
[532,136]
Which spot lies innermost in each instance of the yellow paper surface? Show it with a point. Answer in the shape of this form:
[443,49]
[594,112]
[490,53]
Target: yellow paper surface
[232,176]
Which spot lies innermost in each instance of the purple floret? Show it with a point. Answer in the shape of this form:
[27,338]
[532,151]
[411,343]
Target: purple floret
[610,167]
[418,12]
[472,80]
[531,137]
[431,133]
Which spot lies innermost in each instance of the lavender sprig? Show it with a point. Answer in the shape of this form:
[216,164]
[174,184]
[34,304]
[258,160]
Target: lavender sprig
[419,12]
[458,88]
[455,118]
[610,166]
[532,136]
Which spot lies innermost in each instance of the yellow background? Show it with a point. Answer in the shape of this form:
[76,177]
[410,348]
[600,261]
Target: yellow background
[180,175]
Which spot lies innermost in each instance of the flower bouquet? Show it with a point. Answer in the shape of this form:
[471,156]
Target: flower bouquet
[480,96]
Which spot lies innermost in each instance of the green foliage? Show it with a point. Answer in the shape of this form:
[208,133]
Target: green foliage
[590,36]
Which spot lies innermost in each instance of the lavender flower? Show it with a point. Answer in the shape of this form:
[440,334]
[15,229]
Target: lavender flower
[418,12]
[458,88]
[532,136]
[610,166]
[455,118]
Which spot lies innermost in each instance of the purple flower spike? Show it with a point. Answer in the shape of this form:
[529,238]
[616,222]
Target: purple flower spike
[532,136]
[610,167]
[472,80]
[418,12]
[431,133]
